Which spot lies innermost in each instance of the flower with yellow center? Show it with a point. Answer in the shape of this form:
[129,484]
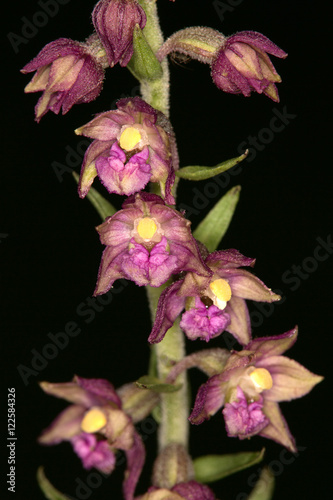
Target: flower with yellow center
[146,228]
[129,139]
[221,291]
[93,421]
[262,379]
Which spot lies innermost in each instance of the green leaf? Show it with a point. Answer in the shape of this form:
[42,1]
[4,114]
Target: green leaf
[156,385]
[211,468]
[264,487]
[198,173]
[211,230]
[143,64]
[50,492]
[103,207]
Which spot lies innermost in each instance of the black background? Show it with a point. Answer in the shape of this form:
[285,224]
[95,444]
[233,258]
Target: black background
[50,251]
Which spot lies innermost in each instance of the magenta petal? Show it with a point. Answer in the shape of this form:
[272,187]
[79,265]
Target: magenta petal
[193,491]
[100,388]
[161,264]
[93,453]
[135,264]
[243,419]
[209,399]
[204,323]
[135,461]
[275,345]
[169,307]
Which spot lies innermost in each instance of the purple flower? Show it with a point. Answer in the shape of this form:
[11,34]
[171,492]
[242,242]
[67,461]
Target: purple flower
[68,73]
[114,21]
[182,491]
[146,242]
[133,145]
[239,63]
[97,427]
[242,65]
[213,303]
[250,387]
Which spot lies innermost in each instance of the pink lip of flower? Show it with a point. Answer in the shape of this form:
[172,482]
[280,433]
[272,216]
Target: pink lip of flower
[230,314]
[68,73]
[242,65]
[149,132]
[258,374]
[96,426]
[146,242]
[114,21]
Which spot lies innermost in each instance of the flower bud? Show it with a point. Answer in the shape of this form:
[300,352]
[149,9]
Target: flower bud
[114,21]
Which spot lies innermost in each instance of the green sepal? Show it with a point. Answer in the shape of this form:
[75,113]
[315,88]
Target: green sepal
[102,206]
[211,468]
[143,64]
[213,227]
[50,492]
[264,487]
[198,173]
[156,385]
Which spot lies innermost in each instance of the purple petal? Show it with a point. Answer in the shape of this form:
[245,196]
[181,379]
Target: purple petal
[243,419]
[88,169]
[193,491]
[290,379]
[135,461]
[93,453]
[204,323]
[101,388]
[247,286]
[277,429]
[209,399]
[231,258]
[240,325]
[71,392]
[64,427]
[273,346]
[110,268]
[169,307]
[258,40]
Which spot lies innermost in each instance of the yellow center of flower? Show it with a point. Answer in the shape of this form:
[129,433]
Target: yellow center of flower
[129,138]
[146,228]
[262,379]
[93,421]
[221,289]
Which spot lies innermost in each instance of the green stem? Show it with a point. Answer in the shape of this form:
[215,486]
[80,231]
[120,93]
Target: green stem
[156,93]
[174,406]
[174,426]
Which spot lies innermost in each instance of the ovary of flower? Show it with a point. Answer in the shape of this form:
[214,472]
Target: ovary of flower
[93,421]
[222,292]
[146,228]
[262,379]
[129,138]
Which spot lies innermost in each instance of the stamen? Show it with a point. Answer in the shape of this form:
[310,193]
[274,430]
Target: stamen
[129,138]
[146,228]
[93,421]
[221,289]
[262,379]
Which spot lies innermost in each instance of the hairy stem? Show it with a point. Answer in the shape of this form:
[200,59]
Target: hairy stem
[156,93]
[174,406]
